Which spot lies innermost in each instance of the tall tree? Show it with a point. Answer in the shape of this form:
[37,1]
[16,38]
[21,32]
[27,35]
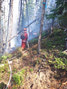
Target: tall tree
[60,12]
[1,28]
[41,26]
[8,25]
[27,17]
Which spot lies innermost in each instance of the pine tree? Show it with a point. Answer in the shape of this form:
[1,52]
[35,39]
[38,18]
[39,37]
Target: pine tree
[60,12]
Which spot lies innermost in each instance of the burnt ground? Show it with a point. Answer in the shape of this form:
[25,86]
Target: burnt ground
[39,74]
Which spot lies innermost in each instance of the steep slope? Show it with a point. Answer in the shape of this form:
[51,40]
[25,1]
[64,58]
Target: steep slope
[44,71]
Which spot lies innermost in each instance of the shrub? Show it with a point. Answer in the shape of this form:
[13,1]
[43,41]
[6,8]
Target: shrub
[19,77]
[16,79]
[4,68]
[23,71]
[9,56]
[4,57]
[59,63]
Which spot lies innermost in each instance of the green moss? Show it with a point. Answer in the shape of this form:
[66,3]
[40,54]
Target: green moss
[4,68]
[17,79]
[31,70]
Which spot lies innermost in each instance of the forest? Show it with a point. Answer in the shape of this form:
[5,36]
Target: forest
[33,44]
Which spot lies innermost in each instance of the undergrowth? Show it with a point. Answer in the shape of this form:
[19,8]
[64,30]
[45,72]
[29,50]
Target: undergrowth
[18,77]
[52,50]
[53,47]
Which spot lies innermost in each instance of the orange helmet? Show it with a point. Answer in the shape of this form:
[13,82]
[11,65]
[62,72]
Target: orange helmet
[25,29]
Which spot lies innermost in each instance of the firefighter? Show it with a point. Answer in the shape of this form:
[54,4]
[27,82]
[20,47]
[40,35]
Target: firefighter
[24,38]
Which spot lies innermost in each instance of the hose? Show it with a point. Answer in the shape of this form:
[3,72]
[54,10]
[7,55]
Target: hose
[9,62]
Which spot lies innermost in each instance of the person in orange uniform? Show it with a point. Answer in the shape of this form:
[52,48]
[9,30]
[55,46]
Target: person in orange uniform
[24,39]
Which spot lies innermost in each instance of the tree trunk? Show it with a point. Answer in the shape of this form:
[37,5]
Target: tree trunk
[27,17]
[66,44]
[66,38]
[0,34]
[7,37]
[52,25]
[1,28]
[41,26]
[10,25]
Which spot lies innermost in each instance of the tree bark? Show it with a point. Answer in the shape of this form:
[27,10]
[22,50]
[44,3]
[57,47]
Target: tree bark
[6,46]
[27,17]
[1,28]
[52,25]
[41,26]
[10,24]
[66,38]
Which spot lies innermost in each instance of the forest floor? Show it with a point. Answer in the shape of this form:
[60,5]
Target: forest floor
[30,70]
